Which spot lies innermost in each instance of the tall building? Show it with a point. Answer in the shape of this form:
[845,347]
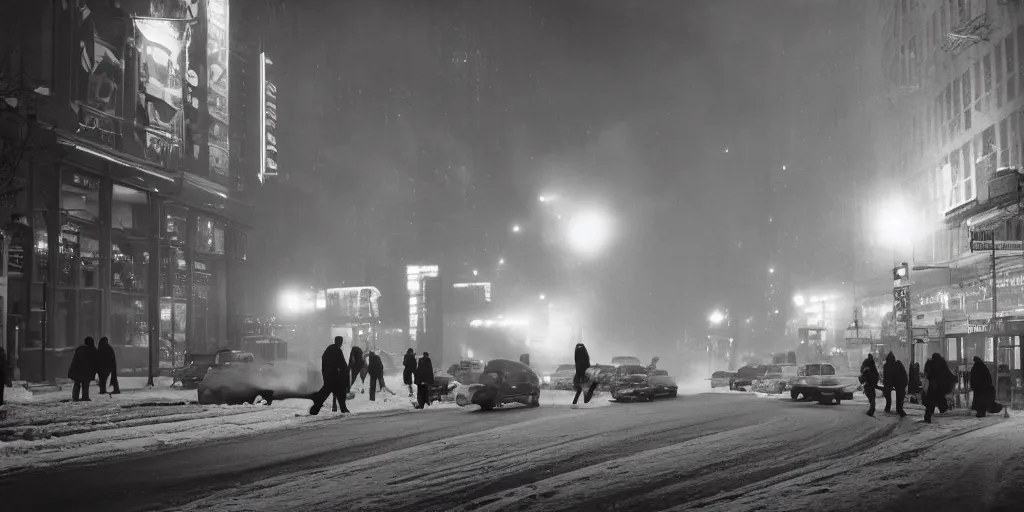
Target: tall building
[132,220]
[949,146]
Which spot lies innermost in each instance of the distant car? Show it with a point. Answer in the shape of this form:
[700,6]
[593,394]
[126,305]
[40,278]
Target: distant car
[818,381]
[242,380]
[633,382]
[745,377]
[630,360]
[502,381]
[197,365]
[602,373]
[721,379]
[777,379]
[561,378]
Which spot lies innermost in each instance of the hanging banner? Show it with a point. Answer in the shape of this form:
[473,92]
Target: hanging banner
[268,126]
[218,86]
[159,107]
[98,70]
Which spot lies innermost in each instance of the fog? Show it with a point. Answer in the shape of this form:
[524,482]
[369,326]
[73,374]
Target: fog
[425,131]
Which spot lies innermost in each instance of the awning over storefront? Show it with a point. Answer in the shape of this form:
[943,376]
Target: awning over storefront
[992,218]
[213,197]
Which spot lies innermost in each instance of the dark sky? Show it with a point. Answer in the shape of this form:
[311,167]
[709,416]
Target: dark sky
[630,103]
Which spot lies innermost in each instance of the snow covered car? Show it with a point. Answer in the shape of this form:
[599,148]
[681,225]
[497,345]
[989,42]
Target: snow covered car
[633,382]
[561,378]
[626,360]
[818,381]
[777,379]
[745,377]
[503,381]
[196,365]
[235,383]
[721,379]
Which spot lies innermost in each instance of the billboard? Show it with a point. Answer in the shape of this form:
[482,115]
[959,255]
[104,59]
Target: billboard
[268,121]
[217,86]
[98,64]
[159,96]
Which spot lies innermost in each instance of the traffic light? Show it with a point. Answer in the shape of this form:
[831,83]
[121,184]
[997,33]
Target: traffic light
[901,272]
[901,303]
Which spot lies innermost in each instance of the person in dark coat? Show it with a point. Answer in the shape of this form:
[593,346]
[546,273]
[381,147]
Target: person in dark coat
[106,367]
[869,377]
[5,375]
[83,370]
[424,379]
[914,384]
[582,359]
[335,373]
[894,377]
[981,385]
[376,370]
[409,365]
[941,382]
[355,363]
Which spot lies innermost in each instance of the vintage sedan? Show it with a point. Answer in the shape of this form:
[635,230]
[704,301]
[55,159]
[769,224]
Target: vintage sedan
[818,381]
[777,379]
[634,382]
[235,382]
[503,381]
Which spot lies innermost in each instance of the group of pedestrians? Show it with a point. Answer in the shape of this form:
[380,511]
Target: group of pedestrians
[935,384]
[90,362]
[339,376]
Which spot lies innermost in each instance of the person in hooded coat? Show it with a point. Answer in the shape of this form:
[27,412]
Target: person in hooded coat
[894,377]
[83,370]
[106,367]
[424,379]
[375,368]
[355,363]
[869,377]
[941,382]
[981,385]
[335,373]
[914,384]
[582,360]
[409,365]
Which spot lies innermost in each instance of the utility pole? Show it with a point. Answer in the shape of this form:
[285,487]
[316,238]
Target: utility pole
[995,313]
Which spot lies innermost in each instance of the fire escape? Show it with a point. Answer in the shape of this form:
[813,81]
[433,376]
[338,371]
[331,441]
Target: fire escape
[967,33]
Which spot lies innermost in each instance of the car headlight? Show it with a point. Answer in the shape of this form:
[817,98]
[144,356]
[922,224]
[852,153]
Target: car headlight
[547,379]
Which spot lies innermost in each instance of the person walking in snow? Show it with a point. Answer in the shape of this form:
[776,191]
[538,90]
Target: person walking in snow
[83,370]
[981,385]
[424,379]
[894,377]
[869,377]
[335,373]
[375,368]
[106,367]
[582,359]
[409,365]
[355,364]
[939,382]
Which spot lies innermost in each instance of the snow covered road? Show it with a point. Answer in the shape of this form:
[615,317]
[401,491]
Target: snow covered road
[715,451]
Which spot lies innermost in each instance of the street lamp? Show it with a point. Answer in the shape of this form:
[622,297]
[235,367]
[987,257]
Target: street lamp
[542,296]
[476,272]
[716,317]
[501,261]
[589,232]
[798,300]
[771,270]
[895,223]
[516,228]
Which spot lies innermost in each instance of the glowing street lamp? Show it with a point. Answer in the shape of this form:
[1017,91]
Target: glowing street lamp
[476,272]
[798,300]
[771,270]
[589,232]
[542,296]
[895,223]
[716,317]
[501,261]
[516,228]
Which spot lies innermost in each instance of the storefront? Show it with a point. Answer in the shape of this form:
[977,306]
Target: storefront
[112,248]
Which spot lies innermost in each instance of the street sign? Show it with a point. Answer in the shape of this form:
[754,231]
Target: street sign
[1001,245]
[920,332]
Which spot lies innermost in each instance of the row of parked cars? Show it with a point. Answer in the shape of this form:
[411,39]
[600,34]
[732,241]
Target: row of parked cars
[812,381]
[625,379]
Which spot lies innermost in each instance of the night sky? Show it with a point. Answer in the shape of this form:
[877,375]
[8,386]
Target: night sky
[403,116]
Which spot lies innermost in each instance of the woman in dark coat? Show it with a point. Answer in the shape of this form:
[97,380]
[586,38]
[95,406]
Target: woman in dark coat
[106,366]
[941,382]
[582,359]
[869,377]
[355,363]
[409,365]
[83,370]
[424,379]
[981,385]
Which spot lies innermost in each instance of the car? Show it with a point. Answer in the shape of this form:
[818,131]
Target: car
[635,382]
[466,370]
[630,360]
[502,382]
[777,379]
[561,378]
[721,379]
[197,365]
[745,377]
[818,381]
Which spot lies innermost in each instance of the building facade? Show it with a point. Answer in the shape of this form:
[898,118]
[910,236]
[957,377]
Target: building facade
[132,220]
[951,149]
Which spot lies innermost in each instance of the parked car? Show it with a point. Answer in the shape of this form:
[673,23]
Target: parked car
[777,379]
[603,373]
[633,382]
[818,381]
[561,378]
[503,381]
[197,365]
[745,377]
[466,370]
[722,379]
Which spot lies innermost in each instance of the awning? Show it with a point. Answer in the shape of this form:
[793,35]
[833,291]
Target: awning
[992,218]
[207,195]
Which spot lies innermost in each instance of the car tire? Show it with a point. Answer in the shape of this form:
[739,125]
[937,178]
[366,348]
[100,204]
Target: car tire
[795,395]
[487,407]
[839,402]
[534,401]
[673,393]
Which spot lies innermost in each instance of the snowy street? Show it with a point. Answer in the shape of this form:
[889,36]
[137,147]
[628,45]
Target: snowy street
[719,451]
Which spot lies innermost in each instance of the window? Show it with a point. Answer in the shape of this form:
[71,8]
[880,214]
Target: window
[209,236]
[997,62]
[965,86]
[1011,68]
[1004,143]
[957,108]
[130,230]
[961,7]
[78,295]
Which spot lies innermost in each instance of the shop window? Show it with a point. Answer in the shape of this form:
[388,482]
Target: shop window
[128,321]
[209,236]
[80,196]
[78,256]
[175,222]
[208,300]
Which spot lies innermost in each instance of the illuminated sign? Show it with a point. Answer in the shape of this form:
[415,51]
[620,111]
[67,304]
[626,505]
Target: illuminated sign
[268,122]
[218,85]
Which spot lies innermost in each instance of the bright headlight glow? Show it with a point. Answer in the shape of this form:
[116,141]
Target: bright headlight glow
[589,232]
